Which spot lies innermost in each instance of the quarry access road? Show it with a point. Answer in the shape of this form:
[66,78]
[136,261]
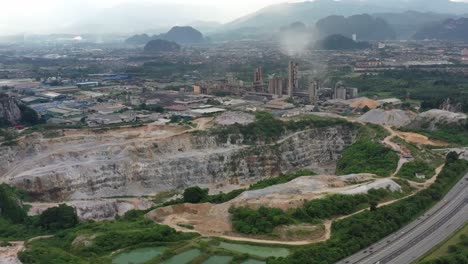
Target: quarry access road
[420,236]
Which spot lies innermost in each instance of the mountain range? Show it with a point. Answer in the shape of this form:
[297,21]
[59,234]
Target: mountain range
[450,29]
[365,27]
[279,15]
[180,35]
[404,17]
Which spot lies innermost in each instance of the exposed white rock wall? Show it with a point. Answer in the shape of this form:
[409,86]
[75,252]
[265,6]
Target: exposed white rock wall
[101,166]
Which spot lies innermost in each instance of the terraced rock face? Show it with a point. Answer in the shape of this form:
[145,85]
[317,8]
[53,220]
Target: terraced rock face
[85,165]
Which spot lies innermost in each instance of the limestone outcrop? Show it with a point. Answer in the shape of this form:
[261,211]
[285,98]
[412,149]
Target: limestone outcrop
[115,163]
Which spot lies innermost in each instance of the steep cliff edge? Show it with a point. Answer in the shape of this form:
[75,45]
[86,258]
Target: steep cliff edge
[91,165]
[9,110]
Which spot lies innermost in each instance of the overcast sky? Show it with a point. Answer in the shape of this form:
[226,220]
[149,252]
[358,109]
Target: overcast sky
[41,16]
[37,16]
[13,9]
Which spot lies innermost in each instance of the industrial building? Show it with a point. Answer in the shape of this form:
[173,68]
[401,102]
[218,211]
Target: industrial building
[275,86]
[293,79]
[258,84]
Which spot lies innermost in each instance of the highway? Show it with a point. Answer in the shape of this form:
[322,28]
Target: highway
[420,236]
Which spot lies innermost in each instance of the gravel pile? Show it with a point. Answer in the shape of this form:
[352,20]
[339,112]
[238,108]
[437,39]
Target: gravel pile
[231,118]
[378,184]
[435,118]
[396,117]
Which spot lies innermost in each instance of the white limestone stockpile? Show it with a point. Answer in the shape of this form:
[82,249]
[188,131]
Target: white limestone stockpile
[433,119]
[231,118]
[395,117]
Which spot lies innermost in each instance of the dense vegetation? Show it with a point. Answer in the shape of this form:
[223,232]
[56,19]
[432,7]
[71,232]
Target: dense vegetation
[195,194]
[264,220]
[409,170]
[57,218]
[457,135]
[15,224]
[261,221]
[268,129]
[11,207]
[431,88]
[338,204]
[366,156]
[359,231]
[106,237]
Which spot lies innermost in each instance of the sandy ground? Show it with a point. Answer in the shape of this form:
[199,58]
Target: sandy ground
[420,139]
[9,255]
[214,219]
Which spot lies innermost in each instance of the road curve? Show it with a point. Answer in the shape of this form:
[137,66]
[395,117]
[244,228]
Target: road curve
[420,236]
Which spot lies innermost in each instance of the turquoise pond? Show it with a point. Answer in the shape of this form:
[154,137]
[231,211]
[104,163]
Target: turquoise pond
[253,261]
[218,260]
[260,251]
[184,257]
[138,256]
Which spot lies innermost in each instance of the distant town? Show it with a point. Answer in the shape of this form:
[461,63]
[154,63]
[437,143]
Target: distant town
[73,83]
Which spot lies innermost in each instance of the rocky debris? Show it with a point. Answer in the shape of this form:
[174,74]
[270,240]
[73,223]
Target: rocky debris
[378,184]
[105,209]
[88,166]
[83,241]
[231,118]
[214,218]
[293,193]
[9,255]
[434,119]
[395,117]
[9,109]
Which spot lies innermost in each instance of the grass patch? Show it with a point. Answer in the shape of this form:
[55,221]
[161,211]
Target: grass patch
[457,136]
[409,170]
[445,249]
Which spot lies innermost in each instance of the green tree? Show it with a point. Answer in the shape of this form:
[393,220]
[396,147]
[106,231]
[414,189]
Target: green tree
[452,157]
[29,116]
[11,207]
[60,217]
[195,194]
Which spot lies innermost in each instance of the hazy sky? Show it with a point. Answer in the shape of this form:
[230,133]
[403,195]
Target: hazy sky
[40,16]
[13,9]
[44,16]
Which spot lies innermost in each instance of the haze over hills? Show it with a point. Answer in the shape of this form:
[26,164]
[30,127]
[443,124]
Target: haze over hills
[406,24]
[180,35]
[126,18]
[139,17]
[364,26]
[399,14]
[450,29]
